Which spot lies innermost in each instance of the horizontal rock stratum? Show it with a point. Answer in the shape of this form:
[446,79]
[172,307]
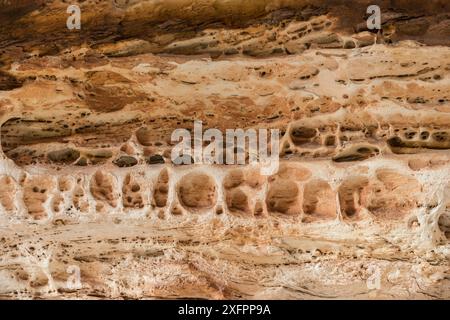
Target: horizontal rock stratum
[89,195]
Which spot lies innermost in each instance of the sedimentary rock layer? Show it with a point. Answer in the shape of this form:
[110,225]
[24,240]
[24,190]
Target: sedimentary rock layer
[360,205]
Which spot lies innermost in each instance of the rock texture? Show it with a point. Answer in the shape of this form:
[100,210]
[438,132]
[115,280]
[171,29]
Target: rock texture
[359,208]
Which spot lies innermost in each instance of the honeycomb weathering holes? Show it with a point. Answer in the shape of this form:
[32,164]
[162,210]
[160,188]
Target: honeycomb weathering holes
[197,191]
[283,197]
[319,200]
[364,122]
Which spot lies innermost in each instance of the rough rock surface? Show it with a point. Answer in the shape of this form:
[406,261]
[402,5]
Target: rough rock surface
[360,206]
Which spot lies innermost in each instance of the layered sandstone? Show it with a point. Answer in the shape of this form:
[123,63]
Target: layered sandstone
[360,205]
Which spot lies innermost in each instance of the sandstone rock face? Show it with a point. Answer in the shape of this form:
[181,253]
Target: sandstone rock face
[197,190]
[358,208]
